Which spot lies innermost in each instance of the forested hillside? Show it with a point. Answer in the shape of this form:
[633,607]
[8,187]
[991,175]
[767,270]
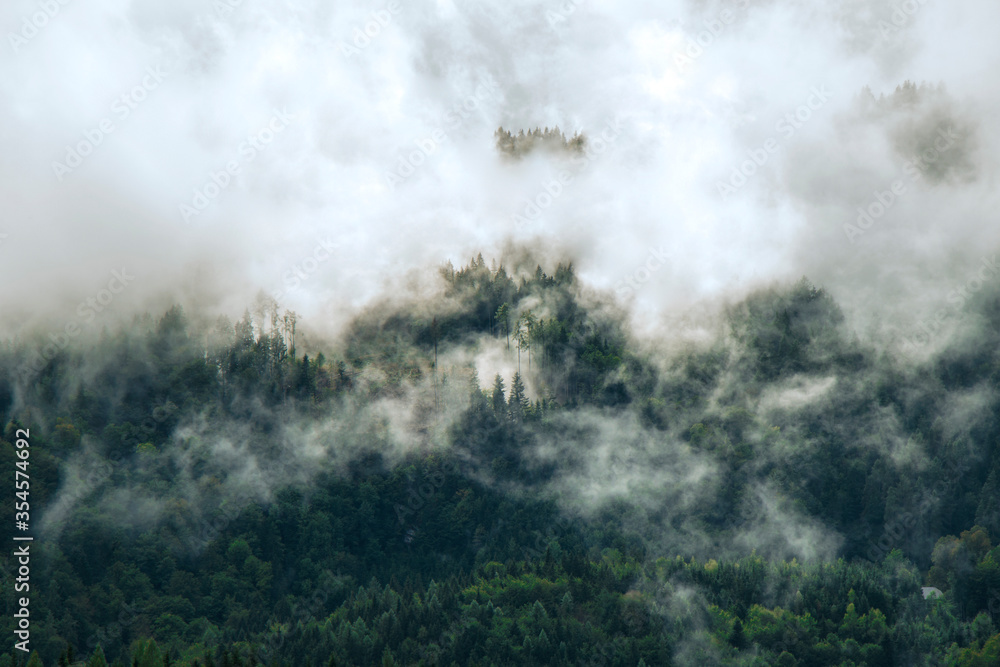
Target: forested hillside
[232,494]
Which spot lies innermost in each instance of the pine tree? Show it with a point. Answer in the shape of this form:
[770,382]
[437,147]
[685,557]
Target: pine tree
[738,638]
[503,317]
[147,654]
[97,659]
[520,339]
[518,402]
[529,326]
[477,402]
[499,398]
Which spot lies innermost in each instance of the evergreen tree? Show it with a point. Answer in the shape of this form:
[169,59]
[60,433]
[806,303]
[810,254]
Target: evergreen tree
[530,323]
[738,638]
[477,402]
[147,654]
[97,659]
[518,402]
[499,397]
[503,319]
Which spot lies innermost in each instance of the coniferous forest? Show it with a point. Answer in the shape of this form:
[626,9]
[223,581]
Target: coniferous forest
[504,474]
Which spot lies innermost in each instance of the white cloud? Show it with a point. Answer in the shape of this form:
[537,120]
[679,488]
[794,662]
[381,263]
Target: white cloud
[655,187]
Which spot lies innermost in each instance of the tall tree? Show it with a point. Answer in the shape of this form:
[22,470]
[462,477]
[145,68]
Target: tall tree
[518,402]
[97,660]
[530,325]
[503,317]
[477,402]
[522,336]
[434,335]
[499,399]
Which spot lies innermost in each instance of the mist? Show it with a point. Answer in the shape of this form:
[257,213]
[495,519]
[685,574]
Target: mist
[742,161]
[354,108]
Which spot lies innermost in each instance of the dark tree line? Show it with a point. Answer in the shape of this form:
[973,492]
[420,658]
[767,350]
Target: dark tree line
[459,554]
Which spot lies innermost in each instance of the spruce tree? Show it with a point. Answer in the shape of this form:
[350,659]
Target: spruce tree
[499,398]
[97,659]
[518,402]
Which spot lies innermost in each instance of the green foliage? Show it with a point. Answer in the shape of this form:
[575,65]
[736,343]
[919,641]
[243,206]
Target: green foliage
[146,653]
[457,554]
[520,144]
[97,659]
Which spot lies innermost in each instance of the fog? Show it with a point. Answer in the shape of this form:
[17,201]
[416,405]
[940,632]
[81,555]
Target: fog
[333,157]
[163,98]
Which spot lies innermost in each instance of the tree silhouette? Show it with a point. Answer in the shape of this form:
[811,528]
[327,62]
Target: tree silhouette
[498,398]
[503,316]
[518,403]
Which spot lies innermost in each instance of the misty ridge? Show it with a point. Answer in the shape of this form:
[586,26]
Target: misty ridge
[491,334]
[926,129]
[782,435]
[532,382]
[506,419]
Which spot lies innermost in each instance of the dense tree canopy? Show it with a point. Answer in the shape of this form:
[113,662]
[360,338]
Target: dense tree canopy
[216,495]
